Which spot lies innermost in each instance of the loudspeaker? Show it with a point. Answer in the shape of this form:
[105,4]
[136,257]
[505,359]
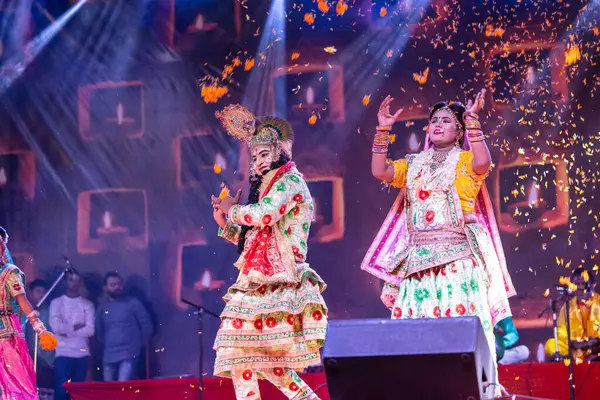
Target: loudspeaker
[413,359]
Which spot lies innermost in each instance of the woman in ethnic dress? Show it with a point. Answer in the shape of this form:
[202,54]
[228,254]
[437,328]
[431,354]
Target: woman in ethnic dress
[439,251]
[275,318]
[17,375]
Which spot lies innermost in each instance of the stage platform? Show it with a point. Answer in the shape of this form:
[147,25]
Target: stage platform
[532,379]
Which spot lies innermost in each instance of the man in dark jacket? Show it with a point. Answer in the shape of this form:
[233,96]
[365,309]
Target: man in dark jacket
[124,329]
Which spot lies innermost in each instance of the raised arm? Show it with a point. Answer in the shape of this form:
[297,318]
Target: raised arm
[482,158]
[380,167]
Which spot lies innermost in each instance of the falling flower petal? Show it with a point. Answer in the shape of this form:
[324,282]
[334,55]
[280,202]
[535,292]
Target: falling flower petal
[224,192]
[323,6]
[249,64]
[341,7]
[309,18]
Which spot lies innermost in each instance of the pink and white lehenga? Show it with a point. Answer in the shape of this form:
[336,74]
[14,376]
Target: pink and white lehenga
[17,376]
[433,263]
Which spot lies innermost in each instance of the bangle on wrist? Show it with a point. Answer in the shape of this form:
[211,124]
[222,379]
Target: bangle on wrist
[471,115]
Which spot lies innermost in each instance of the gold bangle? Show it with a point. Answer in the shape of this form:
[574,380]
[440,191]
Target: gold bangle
[478,139]
[384,128]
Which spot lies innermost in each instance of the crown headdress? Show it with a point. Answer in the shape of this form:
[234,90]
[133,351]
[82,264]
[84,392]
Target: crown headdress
[270,131]
[237,121]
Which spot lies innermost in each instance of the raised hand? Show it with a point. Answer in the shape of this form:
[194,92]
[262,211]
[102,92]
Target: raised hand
[227,202]
[384,115]
[218,215]
[474,106]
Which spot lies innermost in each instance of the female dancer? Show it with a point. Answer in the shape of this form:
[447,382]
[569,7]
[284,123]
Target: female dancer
[275,318]
[17,376]
[438,250]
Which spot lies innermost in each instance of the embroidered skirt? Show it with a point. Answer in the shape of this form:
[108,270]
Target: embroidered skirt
[17,377]
[272,325]
[456,289]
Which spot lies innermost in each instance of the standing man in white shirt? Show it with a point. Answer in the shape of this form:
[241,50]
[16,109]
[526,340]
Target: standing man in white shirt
[72,320]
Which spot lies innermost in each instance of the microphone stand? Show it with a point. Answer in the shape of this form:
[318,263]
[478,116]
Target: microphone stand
[570,356]
[556,356]
[565,294]
[200,310]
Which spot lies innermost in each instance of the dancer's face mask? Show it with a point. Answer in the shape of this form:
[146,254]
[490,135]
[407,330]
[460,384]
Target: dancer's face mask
[262,158]
[443,128]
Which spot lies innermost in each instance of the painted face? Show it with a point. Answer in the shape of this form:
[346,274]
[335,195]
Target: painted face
[262,158]
[442,129]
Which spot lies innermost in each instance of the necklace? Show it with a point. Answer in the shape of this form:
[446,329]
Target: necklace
[439,156]
[433,169]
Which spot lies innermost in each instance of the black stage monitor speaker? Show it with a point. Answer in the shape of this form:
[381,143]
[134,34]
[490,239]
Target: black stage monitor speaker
[408,359]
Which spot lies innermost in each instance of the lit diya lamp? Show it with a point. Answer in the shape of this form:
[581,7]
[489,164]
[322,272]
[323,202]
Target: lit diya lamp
[120,118]
[413,143]
[207,282]
[531,209]
[108,226]
[3,177]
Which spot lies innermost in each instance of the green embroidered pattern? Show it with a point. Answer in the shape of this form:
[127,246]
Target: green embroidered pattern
[305,226]
[303,244]
[421,294]
[439,254]
[297,379]
[450,289]
[423,252]
[452,207]
[438,294]
[464,287]
[487,325]
[294,179]
[280,187]
[474,285]
[267,200]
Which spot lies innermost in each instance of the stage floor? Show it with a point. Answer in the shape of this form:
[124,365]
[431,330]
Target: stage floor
[543,380]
